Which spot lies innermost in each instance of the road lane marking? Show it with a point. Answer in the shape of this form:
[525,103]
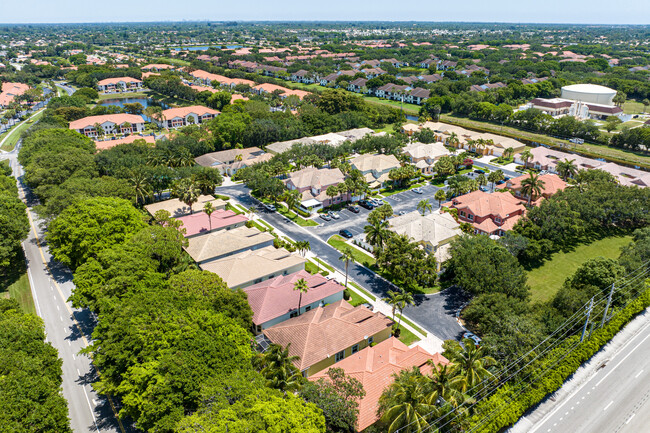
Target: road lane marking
[78,372]
[624,358]
[630,418]
[57,308]
[608,405]
[73,357]
[638,374]
[31,287]
[92,412]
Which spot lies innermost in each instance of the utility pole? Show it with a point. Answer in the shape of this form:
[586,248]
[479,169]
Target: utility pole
[609,300]
[584,329]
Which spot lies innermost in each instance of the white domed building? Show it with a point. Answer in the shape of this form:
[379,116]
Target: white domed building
[583,101]
[589,93]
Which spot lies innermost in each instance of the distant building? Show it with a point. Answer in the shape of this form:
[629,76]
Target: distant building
[119,84]
[183,116]
[111,124]
[583,101]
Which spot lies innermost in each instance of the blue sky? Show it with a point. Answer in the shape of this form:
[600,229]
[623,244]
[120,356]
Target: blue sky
[524,11]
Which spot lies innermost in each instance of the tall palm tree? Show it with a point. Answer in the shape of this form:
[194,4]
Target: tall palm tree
[291,198]
[532,187]
[377,234]
[393,299]
[332,191]
[278,368]
[526,156]
[457,185]
[302,286]
[495,176]
[347,257]
[453,139]
[440,195]
[303,247]
[566,169]
[446,385]
[405,298]
[142,189]
[472,362]
[186,191]
[208,208]
[405,404]
[424,206]
[508,152]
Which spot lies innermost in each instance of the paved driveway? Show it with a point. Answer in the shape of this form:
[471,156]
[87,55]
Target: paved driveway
[435,312]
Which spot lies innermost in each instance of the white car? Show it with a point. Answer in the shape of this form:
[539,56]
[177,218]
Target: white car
[334,215]
[417,190]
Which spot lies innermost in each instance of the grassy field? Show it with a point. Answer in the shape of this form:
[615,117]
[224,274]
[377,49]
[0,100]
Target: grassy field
[632,107]
[14,133]
[15,285]
[547,279]
[412,109]
[360,257]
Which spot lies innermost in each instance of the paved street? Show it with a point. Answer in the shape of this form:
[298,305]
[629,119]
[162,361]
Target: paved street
[434,312]
[67,329]
[612,397]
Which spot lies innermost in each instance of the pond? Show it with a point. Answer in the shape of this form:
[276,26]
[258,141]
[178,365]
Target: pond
[146,102]
[411,117]
[204,48]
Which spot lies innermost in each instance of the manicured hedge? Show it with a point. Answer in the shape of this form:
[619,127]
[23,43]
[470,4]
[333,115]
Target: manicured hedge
[508,411]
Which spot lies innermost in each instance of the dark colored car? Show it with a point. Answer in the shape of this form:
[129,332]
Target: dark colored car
[472,337]
[354,208]
[366,204]
[346,233]
[501,182]
[479,171]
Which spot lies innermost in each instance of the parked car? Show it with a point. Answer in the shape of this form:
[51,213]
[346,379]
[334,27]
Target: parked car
[345,233]
[376,202]
[501,182]
[472,337]
[479,171]
[334,215]
[484,188]
[326,217]
[269,207]
[507,178]
[417,190]
[368,305]
[402,212]
[366,204]
[354,208]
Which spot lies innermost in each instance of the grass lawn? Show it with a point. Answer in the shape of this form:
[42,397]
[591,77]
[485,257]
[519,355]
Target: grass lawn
[141,94]
[15,285]
[313,269]
[632,107]
[359,256]
[547,279]
[13,135]
[295,217]
[411,324]
[407,337]
[324,265]
[259,226]
[412,109]
[356,299]
[365,292]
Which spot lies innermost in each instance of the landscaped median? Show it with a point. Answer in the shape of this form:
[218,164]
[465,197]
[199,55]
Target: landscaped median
[284,211]
[359,256]
[12,136]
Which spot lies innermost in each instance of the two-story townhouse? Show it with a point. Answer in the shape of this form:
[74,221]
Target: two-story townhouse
[357,85]
[119,84]
[425,155]
[417,96]
[121,123]
[373,72]
[224,243]
[328,79]
[200,223]
[183,116]
[312,183]
[375,168]
[177,208]
[446,65]
[426,64]
[275,301]
[326,335]
[491,214]
[552,184]
[431,78]
[228,162]
[157,67]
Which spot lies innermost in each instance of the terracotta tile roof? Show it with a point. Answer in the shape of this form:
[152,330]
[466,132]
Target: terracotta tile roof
[276,297]
[483,204]
[199,223]
[325,331]
[157,66]
[552,183]
[226,242]
[108,144]
[10,91]
[374,368]
[177,208]
[184,111]
[118,119]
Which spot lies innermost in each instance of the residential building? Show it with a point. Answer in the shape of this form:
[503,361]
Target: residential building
[119,84]
[312,184]
[326,335]
[391,91]
[493,144]
[426,64]
[111,124]
[10,91]
[446,65]
[223,243]
[228,162]
[109,144]
[303,76]
[252,267]
[375,367]
[331,139]
[177,208]
[552,184]
[491,214]
[375,168]
[433,231]
[425,155]
[208,79]
[431,78]
[275,301]
[328,79]
[183,116]
[157,67]
[357,85]
[199,223]
[417,96]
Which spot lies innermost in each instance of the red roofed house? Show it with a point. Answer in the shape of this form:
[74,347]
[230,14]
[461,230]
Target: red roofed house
[552,184]
[199,224]
[326,335]
[492,214]
[182,116]
[274,301]
[119,84]
[156,67]
[111,123]
[10,91]
[374,368]
[108,144]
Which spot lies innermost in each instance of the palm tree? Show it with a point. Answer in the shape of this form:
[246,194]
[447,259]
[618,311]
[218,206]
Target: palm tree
[186,191]
[532,187]
[440,195]
[446,385]
[481,179]
[495,176]
[332,191]
[406,406]
[472,362]
[347,257]
[141,187]
[526,156]
[566,169]
[453,139]
[393,299]
[208,208]
[457,184]
[424,206]
[278,368]
[508,152]
[405,298]
[303,247]
[99,129]
[377,234]
[302,286]
[291,198]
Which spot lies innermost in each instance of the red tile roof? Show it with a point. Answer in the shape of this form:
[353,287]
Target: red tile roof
[118,119]
[184,111]
[198,222]
[276,297]
[374,368]
[483,204]
[552,183]
[117,80]
[108,144]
